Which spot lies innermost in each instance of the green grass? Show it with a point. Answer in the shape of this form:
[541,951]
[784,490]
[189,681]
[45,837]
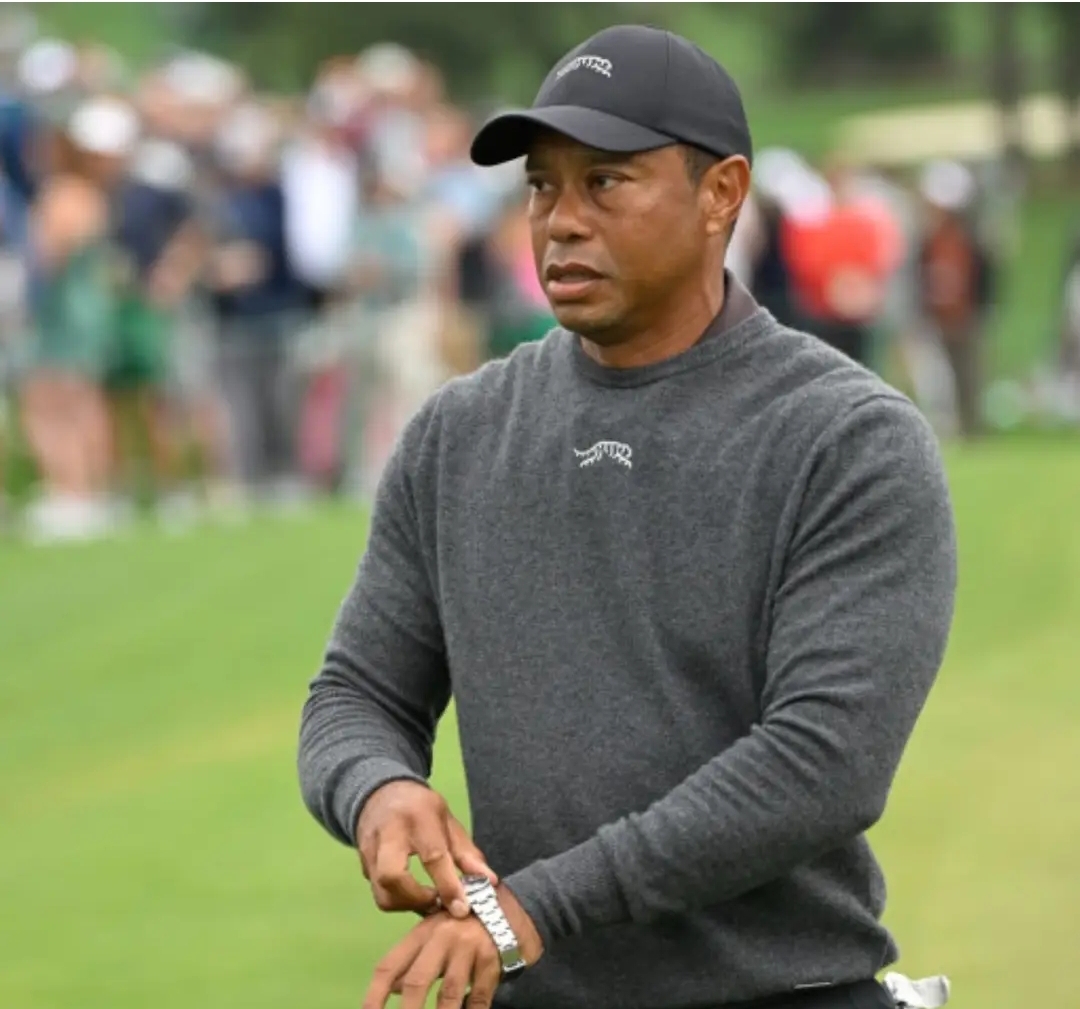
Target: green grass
[155,851]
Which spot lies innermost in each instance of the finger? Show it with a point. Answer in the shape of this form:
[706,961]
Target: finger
[394,887]
[433,908]
[424,902]
[468,857]
[487,972]
[425,970]
[433,850]
[456,978]
[389,970]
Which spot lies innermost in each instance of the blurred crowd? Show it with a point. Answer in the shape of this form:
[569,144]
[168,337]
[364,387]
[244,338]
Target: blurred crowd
[211,297]
[902,271]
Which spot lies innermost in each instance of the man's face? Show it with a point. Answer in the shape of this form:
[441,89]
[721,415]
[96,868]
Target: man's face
[616,237]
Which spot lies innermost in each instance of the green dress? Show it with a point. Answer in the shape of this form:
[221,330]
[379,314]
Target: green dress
[74,321]
[140,355]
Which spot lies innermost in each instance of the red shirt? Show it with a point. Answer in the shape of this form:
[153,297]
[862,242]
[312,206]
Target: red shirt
[841,260]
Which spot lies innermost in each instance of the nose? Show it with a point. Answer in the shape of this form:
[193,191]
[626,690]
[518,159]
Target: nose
[567,219]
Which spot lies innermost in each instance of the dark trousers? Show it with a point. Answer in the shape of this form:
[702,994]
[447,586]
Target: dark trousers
[259,395]
[860,995]
[964,350]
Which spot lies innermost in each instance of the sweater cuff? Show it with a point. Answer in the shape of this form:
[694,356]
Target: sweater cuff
[357,785]
[570,893]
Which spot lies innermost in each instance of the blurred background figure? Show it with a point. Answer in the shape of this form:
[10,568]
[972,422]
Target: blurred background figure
[519,312]
[843,257]
[320,184]
[956,285]
[74,291]
[1069,353]
[159,244]
[782,184]
[396,90]
[257,298]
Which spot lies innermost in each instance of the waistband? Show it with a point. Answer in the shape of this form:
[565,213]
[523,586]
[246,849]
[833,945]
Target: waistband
[867,994]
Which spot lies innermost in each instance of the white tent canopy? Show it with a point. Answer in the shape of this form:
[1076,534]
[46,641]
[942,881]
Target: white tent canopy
[966,131]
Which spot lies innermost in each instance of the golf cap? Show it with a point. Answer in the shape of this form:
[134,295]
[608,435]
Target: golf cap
[627,89]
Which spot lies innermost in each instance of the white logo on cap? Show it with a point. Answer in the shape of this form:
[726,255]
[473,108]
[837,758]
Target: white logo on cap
[597,64]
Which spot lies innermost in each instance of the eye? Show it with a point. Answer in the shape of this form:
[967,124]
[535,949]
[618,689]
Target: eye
[604,181]
[537,185]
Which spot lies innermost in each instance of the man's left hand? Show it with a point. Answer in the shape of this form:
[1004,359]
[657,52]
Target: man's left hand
[459,951]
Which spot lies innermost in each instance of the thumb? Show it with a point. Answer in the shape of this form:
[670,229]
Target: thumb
[467,856]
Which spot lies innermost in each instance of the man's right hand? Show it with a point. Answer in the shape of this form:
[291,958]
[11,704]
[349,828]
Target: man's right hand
[405,818]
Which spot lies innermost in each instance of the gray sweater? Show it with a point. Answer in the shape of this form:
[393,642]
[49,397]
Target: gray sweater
[689,614]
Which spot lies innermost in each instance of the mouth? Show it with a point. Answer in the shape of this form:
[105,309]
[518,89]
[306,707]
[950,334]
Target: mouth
[570,281]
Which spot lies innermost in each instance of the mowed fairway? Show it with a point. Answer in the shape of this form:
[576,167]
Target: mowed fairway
[154,851]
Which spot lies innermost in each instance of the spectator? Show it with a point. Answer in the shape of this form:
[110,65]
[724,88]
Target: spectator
[754,255]
[955,283]
[519,311]
[257,298]
[320,183]
[64,411]
[158,239]
[787,196]
[843,260]
[397,90]
[766,269]
[31,107]
[455,186]
[384,276]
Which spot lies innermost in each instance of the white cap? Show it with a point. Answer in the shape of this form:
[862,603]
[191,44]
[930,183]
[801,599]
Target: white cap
[330,103]
[784,178]
[202,78]
[47,66]
[387,67]
[773,168]
[808,197]
[947,184]
[104,126]
[163,165]
[246,136]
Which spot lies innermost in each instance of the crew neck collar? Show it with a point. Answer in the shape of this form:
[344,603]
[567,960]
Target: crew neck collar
[739,320]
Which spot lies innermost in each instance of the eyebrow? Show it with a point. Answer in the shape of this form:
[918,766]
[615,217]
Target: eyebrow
[594,156]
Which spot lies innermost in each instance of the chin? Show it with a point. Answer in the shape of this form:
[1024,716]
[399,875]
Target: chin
[593,322]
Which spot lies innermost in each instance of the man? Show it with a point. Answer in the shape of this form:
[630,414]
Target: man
[688,576]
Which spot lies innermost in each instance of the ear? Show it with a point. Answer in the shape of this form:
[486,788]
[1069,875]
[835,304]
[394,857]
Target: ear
[723,189]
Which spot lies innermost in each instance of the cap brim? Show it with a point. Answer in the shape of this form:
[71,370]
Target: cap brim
[509,136]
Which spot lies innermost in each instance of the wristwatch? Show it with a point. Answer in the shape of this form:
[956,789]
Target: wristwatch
[485,905]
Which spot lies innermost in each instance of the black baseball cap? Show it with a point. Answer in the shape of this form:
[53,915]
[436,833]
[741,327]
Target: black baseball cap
[628,88]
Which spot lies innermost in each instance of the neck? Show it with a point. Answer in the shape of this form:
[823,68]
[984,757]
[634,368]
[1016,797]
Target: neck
[675,332]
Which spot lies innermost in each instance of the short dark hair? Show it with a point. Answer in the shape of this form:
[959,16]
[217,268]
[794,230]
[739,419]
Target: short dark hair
[698,162]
